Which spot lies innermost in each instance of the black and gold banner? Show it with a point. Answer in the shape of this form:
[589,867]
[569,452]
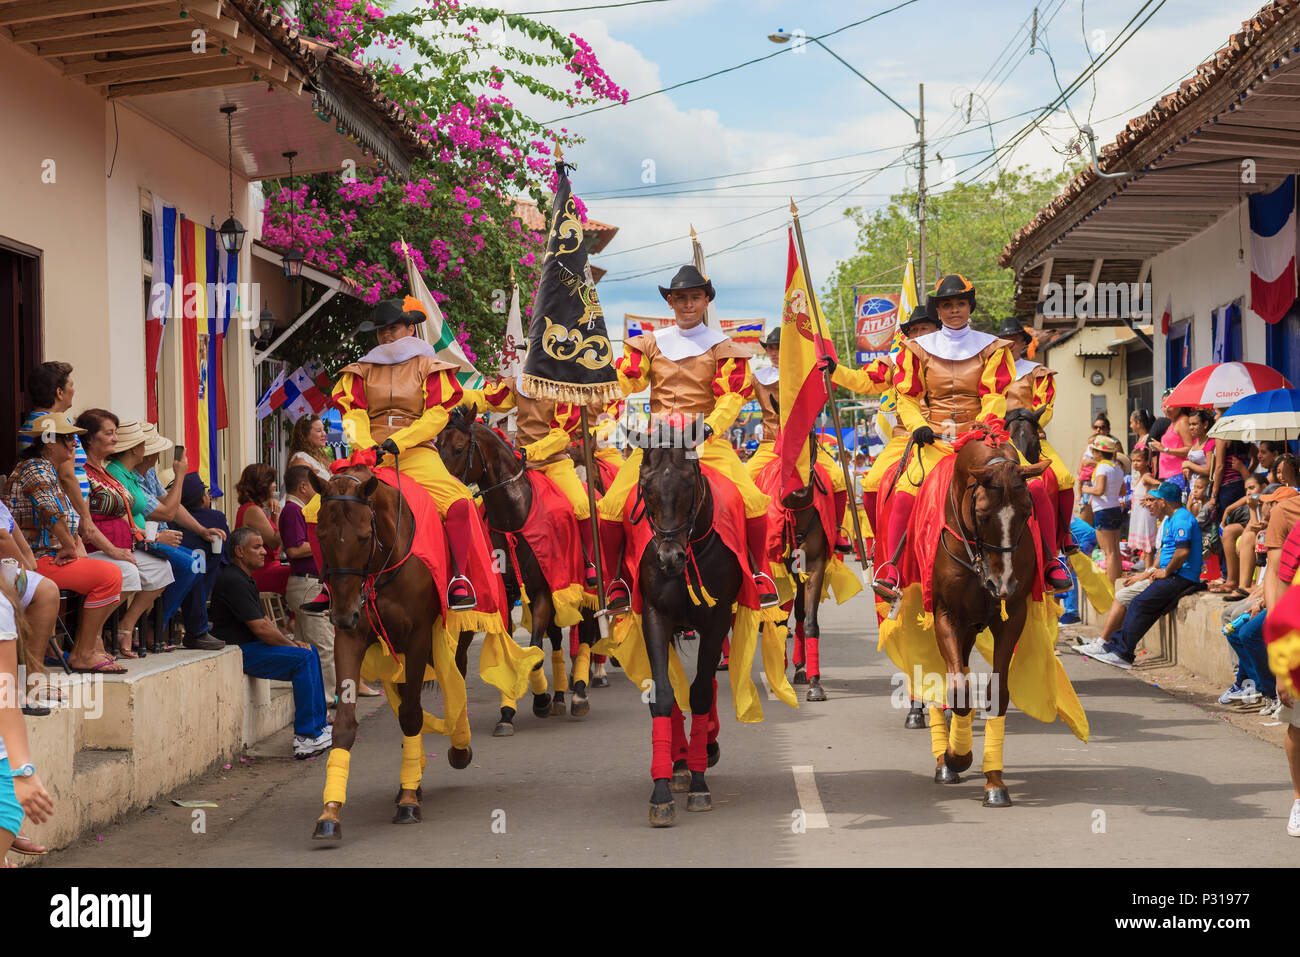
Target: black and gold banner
[570,358]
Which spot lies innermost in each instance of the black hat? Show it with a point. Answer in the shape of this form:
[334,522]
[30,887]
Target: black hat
[773,338]
[389,312]
[1011,328]
[919,314]
[952,286]
[688,277]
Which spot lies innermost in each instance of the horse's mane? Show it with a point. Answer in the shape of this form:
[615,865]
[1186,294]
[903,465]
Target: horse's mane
[1022,414]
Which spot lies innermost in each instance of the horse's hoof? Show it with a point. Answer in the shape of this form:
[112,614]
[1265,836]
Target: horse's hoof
[959,762]
[419,794]
[915,720]
[580,707]
[715,753]
[800,676]
[945,775]
[407,814]
[699,801]
[997,797]
[600,681]
[663,815]
[542,705]
[460,758]
[681,779]
[504,729]
[558,706]
[327,831]
[816,692]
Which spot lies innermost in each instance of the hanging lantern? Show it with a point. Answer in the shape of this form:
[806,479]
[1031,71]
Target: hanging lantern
[232,231]
[292,258]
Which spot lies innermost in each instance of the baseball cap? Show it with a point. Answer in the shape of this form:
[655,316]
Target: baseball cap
[1275,493]
[1167,491]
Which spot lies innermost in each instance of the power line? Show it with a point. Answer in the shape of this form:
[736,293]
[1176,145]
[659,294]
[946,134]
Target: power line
[599,6]
[730,69]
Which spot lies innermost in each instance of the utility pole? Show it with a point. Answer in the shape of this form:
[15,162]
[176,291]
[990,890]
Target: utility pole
[920,190]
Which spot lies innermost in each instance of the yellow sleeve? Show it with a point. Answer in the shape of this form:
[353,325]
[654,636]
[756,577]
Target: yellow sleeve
[1044,400]
[909,385]
[349,397]
[556,440]
[633,371]
[442,393]
[872,379]
[999,373]
[734,386]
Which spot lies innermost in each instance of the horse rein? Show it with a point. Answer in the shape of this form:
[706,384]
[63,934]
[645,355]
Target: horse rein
[469,466]
[372,583]
[975,555]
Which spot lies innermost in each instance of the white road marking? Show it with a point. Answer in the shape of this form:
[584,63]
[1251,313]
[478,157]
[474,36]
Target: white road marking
[805,785]
[766,687]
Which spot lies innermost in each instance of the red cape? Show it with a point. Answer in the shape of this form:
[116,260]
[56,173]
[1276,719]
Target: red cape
[768,481]
[551,532]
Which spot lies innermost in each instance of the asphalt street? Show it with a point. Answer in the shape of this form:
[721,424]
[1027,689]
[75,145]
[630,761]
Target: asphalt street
[1161,782]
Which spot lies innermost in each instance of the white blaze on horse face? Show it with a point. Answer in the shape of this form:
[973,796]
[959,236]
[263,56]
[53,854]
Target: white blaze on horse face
[1006,515]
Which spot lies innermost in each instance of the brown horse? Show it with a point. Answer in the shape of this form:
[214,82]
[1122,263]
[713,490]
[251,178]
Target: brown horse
[807,557]
[366,530]
[676,502]
[984,573]
[476,454]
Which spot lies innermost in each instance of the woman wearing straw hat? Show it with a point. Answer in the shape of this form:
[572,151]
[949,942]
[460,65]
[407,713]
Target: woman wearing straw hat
[50,524]
[1107,491]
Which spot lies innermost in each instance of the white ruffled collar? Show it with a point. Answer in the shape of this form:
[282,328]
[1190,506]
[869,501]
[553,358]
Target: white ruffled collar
[767,375]
[399,350]
[677,344]
[955,344]
[1024,367]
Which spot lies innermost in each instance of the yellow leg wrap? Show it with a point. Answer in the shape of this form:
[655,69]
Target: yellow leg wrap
[959,736]
[508,702]
[559,671]
[582,665]
[412,761]
[938,731]
[336,776]
[537,681]
[995,730]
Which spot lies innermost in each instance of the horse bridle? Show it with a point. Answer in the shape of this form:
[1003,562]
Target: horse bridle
[364,571]
[659,535]
[469,465]
[975,555]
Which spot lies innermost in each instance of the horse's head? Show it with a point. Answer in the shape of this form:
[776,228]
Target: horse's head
[458,446]
[996,517]
[671,488]
[346,530]
[1022,427]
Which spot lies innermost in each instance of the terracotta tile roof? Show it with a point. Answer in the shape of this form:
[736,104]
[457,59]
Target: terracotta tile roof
[526,212]
[1265,27]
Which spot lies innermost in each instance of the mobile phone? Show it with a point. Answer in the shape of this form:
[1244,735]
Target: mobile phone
[178,453]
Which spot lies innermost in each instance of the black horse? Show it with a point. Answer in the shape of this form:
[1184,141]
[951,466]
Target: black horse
[807,558]
[684,557]
[476,454]
[1022,427]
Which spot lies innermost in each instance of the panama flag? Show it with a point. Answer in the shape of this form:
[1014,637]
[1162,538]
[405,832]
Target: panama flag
[802,385]
[207,301]
[306,391]
[160,297]
[435,330]
[267,403]
[1272,251]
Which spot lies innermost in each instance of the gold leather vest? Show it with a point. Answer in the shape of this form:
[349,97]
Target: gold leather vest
[952,386]
[685,386]
[395,393]
[767,396]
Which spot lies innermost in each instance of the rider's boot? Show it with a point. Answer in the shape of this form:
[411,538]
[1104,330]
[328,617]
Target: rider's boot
[588,566]
[1055,577]
[886,578]
[617,597]
[1064,515]
[842,543]
[319,604]
[756,539]
[458,523]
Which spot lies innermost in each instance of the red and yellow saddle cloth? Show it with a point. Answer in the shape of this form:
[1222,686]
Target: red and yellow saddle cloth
[551,533]
[1282,636]
[627,642]
[1037,681]
[839,579]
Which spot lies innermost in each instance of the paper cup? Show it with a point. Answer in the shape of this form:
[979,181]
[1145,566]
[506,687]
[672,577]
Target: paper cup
[151,531]
[217,545]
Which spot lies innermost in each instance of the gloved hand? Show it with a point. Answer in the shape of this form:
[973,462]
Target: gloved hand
[828,364]
[390,447]
[708,431]
[923,436]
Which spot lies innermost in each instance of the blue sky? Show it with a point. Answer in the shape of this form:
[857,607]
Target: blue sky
[806,108]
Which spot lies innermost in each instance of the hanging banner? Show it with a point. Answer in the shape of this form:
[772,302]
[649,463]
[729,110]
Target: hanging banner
[876,318]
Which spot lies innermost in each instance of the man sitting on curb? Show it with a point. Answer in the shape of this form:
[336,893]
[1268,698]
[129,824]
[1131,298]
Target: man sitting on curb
[1178,572]
[239,619]
[1132,586]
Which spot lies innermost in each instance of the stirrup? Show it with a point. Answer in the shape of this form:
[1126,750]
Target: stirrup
[460,594]
[1063,586]
[317,605]
[617,597]
[767,596]
[888,591]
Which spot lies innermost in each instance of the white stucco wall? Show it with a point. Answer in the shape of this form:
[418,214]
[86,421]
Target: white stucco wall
[1071,425]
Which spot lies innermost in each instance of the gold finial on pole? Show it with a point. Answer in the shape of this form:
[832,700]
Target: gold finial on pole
[558,154]
[512,274]
[692,230]
[794,210]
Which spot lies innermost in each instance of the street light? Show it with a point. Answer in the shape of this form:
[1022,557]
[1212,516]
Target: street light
[292,259]
[780,36]
[232,230]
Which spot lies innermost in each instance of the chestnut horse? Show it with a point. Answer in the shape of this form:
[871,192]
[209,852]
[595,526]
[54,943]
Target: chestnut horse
[676,502]
[984,573]
[477,454]
[807,558]
[366,530]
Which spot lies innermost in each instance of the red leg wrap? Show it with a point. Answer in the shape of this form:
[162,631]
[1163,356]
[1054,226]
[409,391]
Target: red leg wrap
[314,542]
[598,658]
[713,714]
[726,649]
[611,548]
[1064,513]
[679,733]
[459,518]
[698,758]
[1046,516]
[756,541]
[573,641]
[661,734]
[584,532]
[841,505]
[814,657]
[900,513]
[799,646]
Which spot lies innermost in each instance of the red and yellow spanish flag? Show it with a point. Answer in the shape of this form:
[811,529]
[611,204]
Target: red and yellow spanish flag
[1282,638]
[802,385]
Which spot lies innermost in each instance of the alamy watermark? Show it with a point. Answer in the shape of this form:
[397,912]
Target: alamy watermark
[1102,300]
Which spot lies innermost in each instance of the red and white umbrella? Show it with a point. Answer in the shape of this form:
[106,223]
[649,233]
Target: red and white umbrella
[1223,384]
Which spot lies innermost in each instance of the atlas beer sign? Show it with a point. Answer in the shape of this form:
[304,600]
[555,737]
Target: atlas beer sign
[877,318]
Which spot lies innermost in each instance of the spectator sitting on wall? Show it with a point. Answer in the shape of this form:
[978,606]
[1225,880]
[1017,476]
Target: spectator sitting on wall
[1131,587]
[38,600]
[1177,574]
[239,619]
[197,501]
[1242,521]
[259,509]
[1286,470]
[1266,458]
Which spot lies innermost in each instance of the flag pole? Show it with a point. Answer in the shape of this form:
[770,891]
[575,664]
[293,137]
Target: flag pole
[830,391]
[588,460]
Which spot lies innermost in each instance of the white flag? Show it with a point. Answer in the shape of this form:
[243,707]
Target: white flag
[435,330]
